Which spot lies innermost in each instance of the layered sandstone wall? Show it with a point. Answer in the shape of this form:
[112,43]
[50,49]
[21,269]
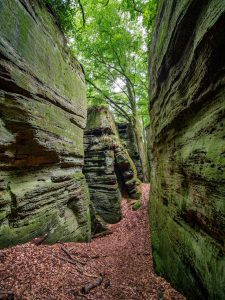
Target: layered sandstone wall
[187,107]
[42,117]
[108,167]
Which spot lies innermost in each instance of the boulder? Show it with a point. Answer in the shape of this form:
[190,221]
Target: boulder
[187,134]
[42,117]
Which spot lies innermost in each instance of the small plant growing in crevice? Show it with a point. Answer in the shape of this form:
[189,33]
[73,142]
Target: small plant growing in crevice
[137,205]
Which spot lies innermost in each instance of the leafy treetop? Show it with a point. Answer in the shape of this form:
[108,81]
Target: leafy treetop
[110,39]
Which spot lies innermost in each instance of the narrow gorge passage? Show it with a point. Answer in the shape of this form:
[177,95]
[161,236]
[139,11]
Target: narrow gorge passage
[97,99]
[124,258]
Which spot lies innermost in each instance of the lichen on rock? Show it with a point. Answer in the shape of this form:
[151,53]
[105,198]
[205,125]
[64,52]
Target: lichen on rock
[187,131]
[108,167]
[43,114]
[127,136]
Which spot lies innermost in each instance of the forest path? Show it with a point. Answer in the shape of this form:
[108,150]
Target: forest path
[124,257]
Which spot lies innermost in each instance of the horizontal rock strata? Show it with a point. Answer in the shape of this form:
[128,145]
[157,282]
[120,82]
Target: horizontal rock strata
[187,137]
[42,117]
[108,167]
[127,136]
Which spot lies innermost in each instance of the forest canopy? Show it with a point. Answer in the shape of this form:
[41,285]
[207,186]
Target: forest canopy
[110,39]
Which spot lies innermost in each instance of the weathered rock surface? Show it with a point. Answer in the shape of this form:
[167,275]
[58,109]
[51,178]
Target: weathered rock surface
[127,136]
[108,167]
[42,117]
[148,146]
[187,108]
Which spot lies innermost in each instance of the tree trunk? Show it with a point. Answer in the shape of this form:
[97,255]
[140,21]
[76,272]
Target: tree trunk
[138,131]
[141,148]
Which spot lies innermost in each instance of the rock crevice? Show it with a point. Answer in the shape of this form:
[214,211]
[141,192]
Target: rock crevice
[127,136]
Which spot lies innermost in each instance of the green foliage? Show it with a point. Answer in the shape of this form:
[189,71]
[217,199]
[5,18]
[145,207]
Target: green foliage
[110,39]
[136,205]
[65,11]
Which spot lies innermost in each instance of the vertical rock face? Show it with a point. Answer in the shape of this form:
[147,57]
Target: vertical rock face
[187,105]
[148,146]
[108,167]
[99,165]
[42,117]
[127,136]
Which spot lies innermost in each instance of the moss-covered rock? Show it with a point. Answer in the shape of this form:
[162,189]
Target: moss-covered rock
[107,167]
[148,145]
[43,114]
[136,205]
[127,136]
[187,106]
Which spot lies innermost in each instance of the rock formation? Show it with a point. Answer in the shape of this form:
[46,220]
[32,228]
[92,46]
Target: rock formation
[187,109]
[42,117]
[108,167]
[148,143]
[127,136]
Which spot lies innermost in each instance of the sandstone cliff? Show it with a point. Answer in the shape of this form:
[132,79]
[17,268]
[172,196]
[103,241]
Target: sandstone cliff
[187,107]
[42,117]
[127,136]
[108,167]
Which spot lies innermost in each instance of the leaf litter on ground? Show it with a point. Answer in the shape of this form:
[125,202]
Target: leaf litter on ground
[123,258]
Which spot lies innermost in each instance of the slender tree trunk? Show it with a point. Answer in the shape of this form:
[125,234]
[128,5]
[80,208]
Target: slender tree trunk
[138,131]
[141,148]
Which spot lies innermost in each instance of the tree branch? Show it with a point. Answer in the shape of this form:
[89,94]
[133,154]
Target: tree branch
[107,2]
[104,75]
[82,12]
[109,100]
[121,72]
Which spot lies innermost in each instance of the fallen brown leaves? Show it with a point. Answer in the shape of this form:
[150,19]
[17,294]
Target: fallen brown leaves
[124,258]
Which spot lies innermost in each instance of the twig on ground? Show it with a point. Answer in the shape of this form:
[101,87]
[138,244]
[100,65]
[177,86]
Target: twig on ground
[76,264]
[88,287]
[69,261]
[65,250]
